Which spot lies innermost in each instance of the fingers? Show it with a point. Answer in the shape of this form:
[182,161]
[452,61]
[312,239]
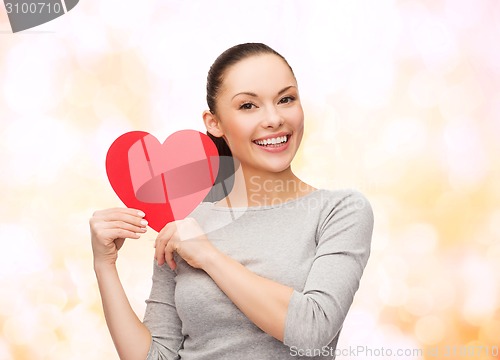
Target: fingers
[113,233]
[162,241]
[127,226]
[110,224]
[126,217]
[110,227]
[171,238]
[169,253]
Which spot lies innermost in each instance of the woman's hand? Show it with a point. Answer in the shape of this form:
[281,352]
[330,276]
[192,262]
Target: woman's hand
[187,239]
[110,227]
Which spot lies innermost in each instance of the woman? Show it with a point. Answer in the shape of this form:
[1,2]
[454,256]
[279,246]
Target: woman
[267,272]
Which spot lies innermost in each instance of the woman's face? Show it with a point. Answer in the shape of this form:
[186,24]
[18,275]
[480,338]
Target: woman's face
[259,100]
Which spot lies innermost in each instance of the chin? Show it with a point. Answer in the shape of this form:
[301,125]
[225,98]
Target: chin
[277,168]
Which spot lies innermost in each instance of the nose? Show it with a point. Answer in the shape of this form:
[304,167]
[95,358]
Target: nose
[273,117]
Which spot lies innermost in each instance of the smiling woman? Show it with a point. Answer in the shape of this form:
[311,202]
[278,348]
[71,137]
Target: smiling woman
[268,272]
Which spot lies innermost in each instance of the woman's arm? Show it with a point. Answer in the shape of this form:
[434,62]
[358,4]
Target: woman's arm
[317,313]
[130,336]
[263,301]
[308,319]
[108,229]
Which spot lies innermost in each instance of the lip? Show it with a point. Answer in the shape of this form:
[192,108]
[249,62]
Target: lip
[283,133]
[276,149]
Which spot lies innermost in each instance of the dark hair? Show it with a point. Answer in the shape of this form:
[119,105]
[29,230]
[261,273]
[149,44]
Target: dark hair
[216,76]
[215,79]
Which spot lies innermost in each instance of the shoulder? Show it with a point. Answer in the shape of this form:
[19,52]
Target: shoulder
[345,199]
[345,206]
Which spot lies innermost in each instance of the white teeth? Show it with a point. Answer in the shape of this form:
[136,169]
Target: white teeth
[273,141]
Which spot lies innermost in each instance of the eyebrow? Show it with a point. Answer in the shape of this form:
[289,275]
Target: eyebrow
[255,95]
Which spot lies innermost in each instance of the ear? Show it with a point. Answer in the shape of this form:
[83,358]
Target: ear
[212,124]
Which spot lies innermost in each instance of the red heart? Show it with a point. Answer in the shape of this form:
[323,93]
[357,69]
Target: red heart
[166,181]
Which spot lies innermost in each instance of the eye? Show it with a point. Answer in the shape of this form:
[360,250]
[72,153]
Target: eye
[287,100]
[246,106]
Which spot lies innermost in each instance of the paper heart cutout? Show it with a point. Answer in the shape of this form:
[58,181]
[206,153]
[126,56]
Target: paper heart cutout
[166,181]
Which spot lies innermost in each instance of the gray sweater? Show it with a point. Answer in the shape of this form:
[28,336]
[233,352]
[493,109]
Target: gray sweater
[318,244]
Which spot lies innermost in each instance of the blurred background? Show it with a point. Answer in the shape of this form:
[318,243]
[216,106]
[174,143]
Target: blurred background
[402,102]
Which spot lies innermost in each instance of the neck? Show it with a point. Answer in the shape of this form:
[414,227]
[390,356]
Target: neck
[259,188]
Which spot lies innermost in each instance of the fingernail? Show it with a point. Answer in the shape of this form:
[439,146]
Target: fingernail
[141,214]
[144,222]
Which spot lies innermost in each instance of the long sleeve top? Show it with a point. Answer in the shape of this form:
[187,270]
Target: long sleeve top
[317,244]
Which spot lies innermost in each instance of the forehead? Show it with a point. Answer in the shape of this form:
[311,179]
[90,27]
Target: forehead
[259,73]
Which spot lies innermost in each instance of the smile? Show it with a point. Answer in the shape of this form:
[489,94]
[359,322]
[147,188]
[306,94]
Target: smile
[273,142]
